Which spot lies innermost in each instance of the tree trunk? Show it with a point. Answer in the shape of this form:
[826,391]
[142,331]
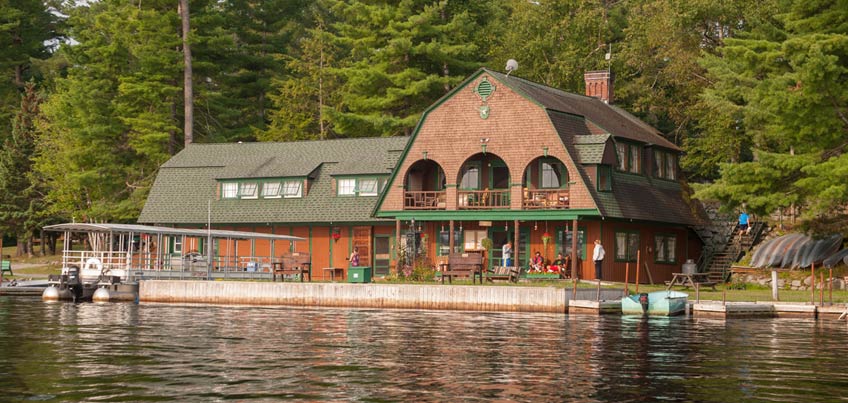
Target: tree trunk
[43,243]
[188,91]
[172,135]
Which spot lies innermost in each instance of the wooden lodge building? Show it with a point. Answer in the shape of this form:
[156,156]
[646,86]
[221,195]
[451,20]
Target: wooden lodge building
[498,157]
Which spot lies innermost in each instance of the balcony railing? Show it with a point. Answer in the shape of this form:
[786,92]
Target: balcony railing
[424,200]
[482,199]
[546,199]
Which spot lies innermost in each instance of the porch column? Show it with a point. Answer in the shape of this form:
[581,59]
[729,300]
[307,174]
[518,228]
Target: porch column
[574,249]
[516,241]
[452,240]
[397,245]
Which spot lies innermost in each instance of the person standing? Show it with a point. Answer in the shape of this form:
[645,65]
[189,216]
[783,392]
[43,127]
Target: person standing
[743,223]
[598,257]
[506,253]
[354,257]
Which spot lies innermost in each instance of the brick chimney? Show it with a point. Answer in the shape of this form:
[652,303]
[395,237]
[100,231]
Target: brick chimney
[599,84]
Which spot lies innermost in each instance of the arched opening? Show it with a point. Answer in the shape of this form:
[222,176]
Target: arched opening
[424,186]
[483,183]
[545,184]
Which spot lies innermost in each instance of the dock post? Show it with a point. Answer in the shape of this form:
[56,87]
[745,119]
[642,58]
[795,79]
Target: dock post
[698,293]
[598,295]
[774,296]
[830,287]
[813,284]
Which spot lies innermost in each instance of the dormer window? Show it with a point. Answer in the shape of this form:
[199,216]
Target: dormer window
[347,187]
[665,165]
[292,189]
[629,157]
[271,190]
[367,187]
[229,190]
[248,190]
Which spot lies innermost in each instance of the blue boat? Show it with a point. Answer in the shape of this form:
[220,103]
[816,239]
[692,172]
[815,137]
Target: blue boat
[658,303]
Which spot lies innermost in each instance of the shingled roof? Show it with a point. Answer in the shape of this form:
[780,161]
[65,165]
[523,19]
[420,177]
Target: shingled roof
[613,120]
[189,180]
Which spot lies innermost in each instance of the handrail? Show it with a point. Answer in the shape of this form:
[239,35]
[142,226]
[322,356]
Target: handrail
[546,199]
[424,200]
[483,199]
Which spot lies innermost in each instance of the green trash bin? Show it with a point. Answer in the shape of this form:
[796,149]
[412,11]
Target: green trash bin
[359,274]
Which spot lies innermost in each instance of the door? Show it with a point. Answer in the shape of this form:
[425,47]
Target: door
[499,236]
[382,254]
[362,242]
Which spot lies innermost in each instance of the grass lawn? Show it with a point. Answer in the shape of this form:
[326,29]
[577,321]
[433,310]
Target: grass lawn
[36,266]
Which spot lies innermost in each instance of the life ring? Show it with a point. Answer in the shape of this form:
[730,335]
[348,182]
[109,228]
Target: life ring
[93,261]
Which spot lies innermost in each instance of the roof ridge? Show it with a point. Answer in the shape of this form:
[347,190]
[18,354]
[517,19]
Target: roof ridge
[302,141]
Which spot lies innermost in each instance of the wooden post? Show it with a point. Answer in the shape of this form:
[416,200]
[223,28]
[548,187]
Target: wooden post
[1,257]
[821,288]
[637,277]
[626,277]
[451,241]
[598,295]
[639,261]
[574,233]
[829,285]
[516,243]
[813,284]
[774,286]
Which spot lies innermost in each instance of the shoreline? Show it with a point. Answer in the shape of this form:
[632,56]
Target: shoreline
[456,298]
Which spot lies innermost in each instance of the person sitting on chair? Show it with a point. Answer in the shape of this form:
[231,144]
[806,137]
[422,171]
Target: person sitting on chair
[537,263]
[560,265]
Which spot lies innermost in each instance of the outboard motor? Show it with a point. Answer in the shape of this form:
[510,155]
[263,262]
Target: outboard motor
[643,299]
[73,275]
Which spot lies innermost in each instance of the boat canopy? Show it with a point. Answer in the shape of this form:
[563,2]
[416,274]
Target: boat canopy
[798,250]
[155,230]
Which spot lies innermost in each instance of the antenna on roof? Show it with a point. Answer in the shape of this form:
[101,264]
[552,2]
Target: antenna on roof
[608,58]
[511,65]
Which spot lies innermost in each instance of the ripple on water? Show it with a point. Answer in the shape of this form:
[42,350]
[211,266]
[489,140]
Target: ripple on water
[126,352]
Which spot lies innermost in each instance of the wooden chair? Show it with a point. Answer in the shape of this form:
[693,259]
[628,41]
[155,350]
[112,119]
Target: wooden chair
[503,273]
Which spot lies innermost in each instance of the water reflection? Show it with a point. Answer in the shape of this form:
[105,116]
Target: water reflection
[127,352]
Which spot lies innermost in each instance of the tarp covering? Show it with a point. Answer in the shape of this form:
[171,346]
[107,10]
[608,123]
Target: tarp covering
[798,250]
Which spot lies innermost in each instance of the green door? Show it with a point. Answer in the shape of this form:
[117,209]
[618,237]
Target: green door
[499,236]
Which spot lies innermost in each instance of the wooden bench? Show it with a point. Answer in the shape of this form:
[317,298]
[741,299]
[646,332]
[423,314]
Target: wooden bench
[503,273]
[464,265]
[296,263]
[694,280]
[6,266]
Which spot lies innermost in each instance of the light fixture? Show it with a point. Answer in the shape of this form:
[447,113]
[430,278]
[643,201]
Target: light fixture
[484,139]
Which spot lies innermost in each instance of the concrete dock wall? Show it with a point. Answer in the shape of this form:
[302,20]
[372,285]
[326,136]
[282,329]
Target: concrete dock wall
[404,296]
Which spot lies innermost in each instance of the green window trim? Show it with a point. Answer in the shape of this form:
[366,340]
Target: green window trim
[604,171]
[375,185]
[260,188]
[665,252]
[562,239]
[624,163]
[458,241]
[467,166]
[631,245]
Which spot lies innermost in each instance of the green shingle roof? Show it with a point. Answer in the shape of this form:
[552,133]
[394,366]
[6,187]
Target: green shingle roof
[590,149]
[187,182]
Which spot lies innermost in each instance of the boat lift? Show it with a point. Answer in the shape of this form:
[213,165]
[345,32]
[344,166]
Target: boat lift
[127,253]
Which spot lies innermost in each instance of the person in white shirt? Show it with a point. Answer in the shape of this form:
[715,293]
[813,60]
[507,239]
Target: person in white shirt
[507,254]
[598,257]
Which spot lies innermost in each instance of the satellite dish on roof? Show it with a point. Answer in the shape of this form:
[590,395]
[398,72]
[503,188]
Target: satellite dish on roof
[511,65]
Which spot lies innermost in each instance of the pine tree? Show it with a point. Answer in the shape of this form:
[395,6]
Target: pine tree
[399,59]
[795,111]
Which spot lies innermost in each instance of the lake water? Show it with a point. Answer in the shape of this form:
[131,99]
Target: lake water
[126,352]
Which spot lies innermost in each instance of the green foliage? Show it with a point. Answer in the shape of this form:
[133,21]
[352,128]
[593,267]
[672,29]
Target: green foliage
[791,104]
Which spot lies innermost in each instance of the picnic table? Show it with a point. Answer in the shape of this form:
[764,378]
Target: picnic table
[694,280]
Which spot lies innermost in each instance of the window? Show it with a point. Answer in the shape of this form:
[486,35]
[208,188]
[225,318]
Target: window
[247,190]
[292,189]
[470,177]
[563,238]
[665,164]
[347,187]
[635,159]
[669,167]
[626,245]
[472,239]
[621,151]
[229,190]
[178,244]
[604,178]
[551,174]
[367,187]
[444,242]
[271,190]
[665,246]
[659,164]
